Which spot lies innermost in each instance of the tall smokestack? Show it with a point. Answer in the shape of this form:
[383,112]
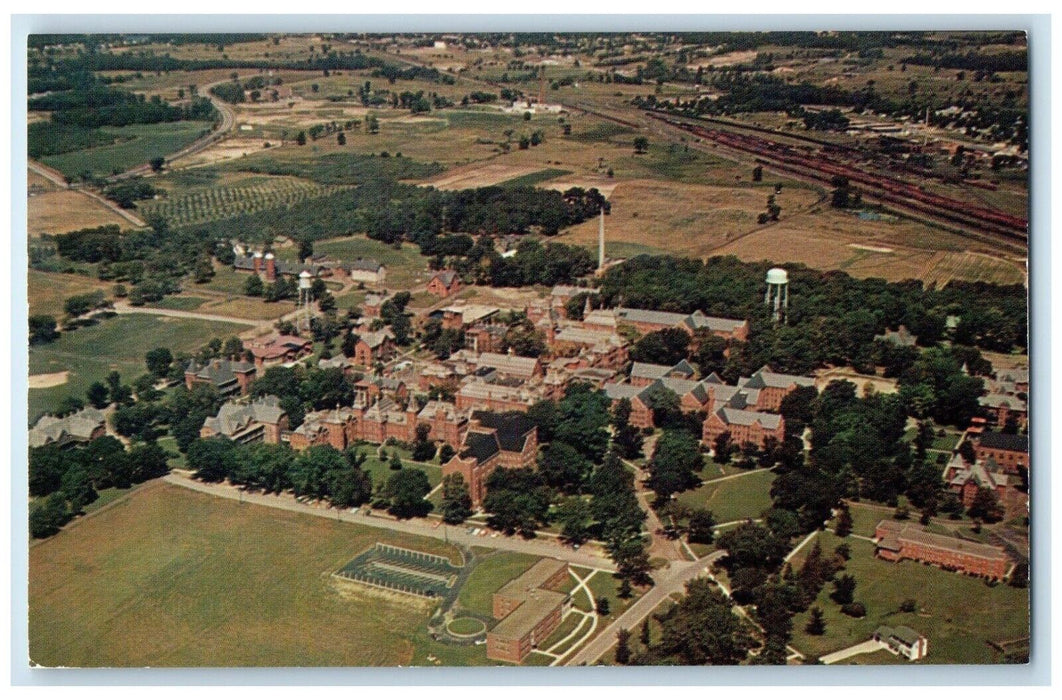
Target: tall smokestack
[601,241]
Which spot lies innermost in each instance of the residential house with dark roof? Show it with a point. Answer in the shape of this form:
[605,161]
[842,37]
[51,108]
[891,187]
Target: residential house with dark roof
[229,377]
[261,420]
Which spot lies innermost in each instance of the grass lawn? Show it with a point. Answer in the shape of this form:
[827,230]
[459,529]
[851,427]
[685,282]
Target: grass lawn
[741,497]
[491,572]
[175,578]
[119,343]
[226,280]
[958,614]
[47,291]
[180,303]
[565,628]
[533,179]
[138,144]
[381,469]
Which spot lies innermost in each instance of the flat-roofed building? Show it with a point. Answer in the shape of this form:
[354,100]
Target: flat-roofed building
[897,541]
[1010,451]
[528,611]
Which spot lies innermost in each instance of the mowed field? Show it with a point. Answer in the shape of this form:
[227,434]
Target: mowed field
[958,614]
[47,291]
[62,211]
[119,343]
[744,496]
[170,577]
[137,144]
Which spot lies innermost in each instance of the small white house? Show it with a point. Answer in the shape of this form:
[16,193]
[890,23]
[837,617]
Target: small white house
[902,641]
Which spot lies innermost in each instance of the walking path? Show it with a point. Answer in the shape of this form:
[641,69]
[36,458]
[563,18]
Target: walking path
[671,579]
[123,307]
[424,528]
[735,476]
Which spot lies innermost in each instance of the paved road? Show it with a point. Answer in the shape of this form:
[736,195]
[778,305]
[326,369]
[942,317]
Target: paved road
[227,124]
[867,647]
[670,580]
[457,535]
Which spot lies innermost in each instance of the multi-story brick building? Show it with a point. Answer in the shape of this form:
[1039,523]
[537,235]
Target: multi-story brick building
[227,376]
[500,396]
[645,321]
[444,283]
[493,440]
[744,426]
[966,479]
[447,424]
[528,611]
[1011,452]
[1001,407]
[261,420]
[897,541]
[773,387]
[374,346]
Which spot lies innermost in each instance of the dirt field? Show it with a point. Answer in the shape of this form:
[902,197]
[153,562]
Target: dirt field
[897,250]
[38,181]
[227,149]
[47,381]
[479,176]
[692,220]
[880,384]
[60,211]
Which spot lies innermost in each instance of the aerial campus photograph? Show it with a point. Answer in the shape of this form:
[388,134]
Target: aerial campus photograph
[528,349]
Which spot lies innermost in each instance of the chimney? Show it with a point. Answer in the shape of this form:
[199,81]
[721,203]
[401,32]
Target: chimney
[271,267]
[601,242]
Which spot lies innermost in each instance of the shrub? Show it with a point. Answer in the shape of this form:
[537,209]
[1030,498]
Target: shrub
[854,610]
[909,605]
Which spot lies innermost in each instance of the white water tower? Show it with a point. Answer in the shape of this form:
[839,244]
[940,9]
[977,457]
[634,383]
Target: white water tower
[306,294]
[777,296]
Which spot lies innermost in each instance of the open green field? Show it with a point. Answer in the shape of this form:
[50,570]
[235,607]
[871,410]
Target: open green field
[170,577]
[491,572]
[139,143]
[47,291]
[958,614]
[741,497]
[119,343]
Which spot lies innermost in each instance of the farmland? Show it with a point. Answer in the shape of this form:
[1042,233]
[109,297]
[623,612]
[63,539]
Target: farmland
[225,202]
[48,290]
[120,343]
[61,211]
[136,145]
[169,560]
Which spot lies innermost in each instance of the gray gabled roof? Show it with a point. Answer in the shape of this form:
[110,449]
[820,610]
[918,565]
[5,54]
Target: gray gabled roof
[233,417]
[764,378]
[645,370]
[736,416]
[78,426]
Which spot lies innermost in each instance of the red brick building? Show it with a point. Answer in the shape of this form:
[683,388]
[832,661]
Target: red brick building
[773,387]
[966,479]
[377,345]
[645,321]
[743,426]
[444,283]
[1011,452]
[528,611]
[227,376]
[897,541]
[493,440]
[499,397]
[277,349]
[262,420]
